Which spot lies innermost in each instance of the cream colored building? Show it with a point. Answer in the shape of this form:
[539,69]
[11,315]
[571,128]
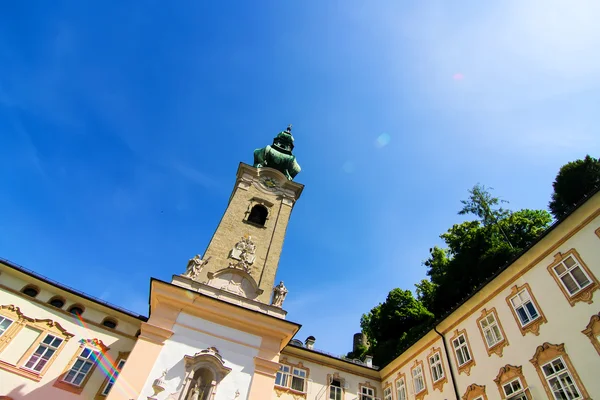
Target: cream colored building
[218,330]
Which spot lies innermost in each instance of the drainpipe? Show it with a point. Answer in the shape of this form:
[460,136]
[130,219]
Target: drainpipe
[449,363]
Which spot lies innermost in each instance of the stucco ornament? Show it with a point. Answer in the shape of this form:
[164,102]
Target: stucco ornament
[194,266]
[243,253]
[279,293]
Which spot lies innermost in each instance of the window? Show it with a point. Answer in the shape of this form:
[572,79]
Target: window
[524,307]
[258,215]
[400,389]
[491,330]
[57,302]
[113,377]
[572,275]
[367,393]
[513,390]
[30,291]
[298,379]
[109,323]
[76,309]
[560,380]
[435,363]
[335,390]
[84,363]
[4,324]
[44,352]
[461,349]
[574,278]
[418,380]
[387,393]
[283,376]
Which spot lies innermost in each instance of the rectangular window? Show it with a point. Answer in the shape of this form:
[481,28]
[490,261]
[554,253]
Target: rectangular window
[560,380]
[435,363]
[367,393]
[401,390]
[524,307]
[283,376]
[4,324]
[572,275]
[44,352]
[113,378]
[387,393]
[462,350]
[335,390]
[513,390]
[298,379]
[491,330]
[82,366]
[418,380]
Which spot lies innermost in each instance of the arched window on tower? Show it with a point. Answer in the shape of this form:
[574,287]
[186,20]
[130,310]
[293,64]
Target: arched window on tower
[258,215]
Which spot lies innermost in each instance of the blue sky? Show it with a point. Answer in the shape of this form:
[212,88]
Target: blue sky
[122,125]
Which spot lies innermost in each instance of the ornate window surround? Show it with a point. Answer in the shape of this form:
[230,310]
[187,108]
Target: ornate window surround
[366,384]
[474,392]
[584,294]
[254,201]
[45,326]
[509,373]
[597,231]
[113,368]
[425,391]
[391,389]
[466,367]
[400,377]
[279,390]
[498,348]
[92,344]
[209,359]
[534,325]
[335,376]
[548,352]
[439,384]
[592,331]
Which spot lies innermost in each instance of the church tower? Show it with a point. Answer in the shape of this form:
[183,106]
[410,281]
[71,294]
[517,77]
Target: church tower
[242,258]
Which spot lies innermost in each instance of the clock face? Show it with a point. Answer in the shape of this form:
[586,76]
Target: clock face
[269,183]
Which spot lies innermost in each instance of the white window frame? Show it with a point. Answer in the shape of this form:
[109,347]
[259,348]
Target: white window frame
[3,320]
[285,371]
[401,389]
[568,271]
[436,367]
[418,377]
[336,392]
[300,374]
[367,393]
[41,353]
[462,349]
[387,393]
[87,357]
[515,394]
[113,377]
[520,301]
[557,375]
[489,329]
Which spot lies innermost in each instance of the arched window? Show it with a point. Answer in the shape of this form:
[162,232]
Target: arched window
[109,323]
[76,309]
[258,215]
[57,302]
[30,290]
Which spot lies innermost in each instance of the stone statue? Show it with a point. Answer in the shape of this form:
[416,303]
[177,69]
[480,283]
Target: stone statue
[194,266]
[279,155]
[243,252]
[195,395]
[279,293]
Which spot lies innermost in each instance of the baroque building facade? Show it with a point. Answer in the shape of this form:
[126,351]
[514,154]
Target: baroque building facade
[218,330]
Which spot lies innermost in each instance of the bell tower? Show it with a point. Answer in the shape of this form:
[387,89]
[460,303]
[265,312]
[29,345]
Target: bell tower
[241,260]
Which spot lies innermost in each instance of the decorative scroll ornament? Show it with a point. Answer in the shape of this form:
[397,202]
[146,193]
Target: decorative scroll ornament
[194,267]
[279,293]
[243,252]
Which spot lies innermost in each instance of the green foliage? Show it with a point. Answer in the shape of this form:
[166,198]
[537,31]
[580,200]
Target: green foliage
[360,353]
[482,204]
[391,324]
[426,291]
[573,182]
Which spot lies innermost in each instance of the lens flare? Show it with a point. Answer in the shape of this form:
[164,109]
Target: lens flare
[382,140]
[458,76]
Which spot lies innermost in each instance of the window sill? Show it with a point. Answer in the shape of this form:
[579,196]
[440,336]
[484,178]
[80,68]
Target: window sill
[533,326]
[295,393]
[497,349]
[67,386]
[19,371]
[466,367]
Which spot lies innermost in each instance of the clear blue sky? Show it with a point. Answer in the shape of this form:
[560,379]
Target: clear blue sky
[122,125]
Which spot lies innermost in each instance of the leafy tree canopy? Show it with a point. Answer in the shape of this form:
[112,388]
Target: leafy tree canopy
[573,182]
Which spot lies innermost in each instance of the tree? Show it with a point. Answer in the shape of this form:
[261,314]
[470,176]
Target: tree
[392,324]
[426,292]
[574,181]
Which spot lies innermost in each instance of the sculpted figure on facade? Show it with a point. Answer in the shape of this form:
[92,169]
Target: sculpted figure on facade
[194,266]
[279,293]
[243,253]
